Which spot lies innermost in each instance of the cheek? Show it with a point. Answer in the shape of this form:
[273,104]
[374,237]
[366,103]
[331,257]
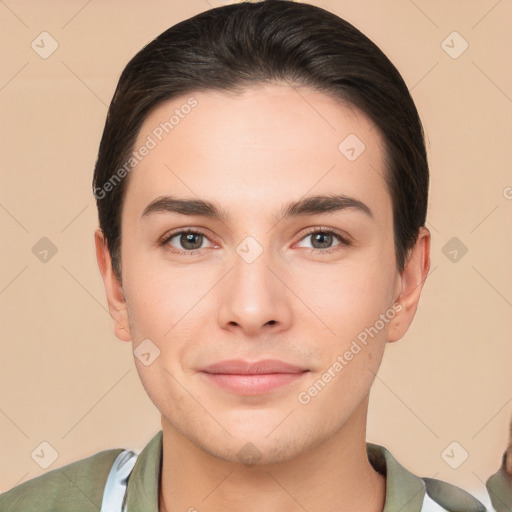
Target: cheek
[159,294]
[167,306]
[350,297]
[357,313]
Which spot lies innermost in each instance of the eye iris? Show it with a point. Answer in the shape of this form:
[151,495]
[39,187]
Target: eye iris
[324,239]
[191,241]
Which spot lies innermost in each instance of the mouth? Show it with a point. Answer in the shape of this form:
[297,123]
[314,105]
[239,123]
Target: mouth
[253,378]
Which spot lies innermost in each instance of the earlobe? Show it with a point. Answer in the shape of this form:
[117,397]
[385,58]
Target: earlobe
[410,284]
[113,289]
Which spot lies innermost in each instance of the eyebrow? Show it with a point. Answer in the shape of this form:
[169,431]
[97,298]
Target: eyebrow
[312,205]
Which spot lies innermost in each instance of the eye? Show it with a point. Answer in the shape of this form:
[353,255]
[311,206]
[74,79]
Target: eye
[190,241]
[322,239]
[186,241]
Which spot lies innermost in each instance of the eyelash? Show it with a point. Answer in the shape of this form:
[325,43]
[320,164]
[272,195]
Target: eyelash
[344,241]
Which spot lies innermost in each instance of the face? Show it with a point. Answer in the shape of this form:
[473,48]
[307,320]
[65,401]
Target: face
[275,243]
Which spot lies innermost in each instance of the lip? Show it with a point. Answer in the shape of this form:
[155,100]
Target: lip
[253,378]
[242,367]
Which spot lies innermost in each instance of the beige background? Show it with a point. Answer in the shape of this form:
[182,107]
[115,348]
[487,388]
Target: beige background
[67,381]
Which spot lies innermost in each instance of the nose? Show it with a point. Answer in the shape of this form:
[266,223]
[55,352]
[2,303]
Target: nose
[254,299]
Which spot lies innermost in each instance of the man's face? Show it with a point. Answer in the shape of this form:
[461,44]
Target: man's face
[254,284]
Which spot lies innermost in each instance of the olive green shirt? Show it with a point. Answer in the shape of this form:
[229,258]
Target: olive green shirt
[79,486]
[500,489]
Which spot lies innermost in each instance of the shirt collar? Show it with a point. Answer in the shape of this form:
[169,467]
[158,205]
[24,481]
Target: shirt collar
[404,490]
[142,488]
[499,487]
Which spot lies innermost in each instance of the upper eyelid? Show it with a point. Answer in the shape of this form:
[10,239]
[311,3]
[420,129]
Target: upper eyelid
[325,229]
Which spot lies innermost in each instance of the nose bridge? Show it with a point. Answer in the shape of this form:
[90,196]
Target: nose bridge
[252,296]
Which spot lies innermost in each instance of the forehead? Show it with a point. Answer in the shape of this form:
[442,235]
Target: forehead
[270,140]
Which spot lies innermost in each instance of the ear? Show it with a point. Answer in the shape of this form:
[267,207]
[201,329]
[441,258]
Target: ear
[409,285]
[113,289]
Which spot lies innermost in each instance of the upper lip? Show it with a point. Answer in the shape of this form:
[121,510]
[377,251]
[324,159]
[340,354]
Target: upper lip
[242,367]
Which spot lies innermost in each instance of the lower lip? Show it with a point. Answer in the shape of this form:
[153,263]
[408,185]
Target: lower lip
[253,384]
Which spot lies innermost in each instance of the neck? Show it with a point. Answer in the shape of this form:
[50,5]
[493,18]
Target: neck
[334,475]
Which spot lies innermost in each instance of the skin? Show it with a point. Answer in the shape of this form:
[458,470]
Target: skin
[251,154]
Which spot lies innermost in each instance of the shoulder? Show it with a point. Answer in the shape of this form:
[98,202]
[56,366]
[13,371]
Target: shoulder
[76,486]
[406,491]
[450,497]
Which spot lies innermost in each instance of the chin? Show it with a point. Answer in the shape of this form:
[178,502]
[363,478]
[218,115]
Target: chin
[255,450]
